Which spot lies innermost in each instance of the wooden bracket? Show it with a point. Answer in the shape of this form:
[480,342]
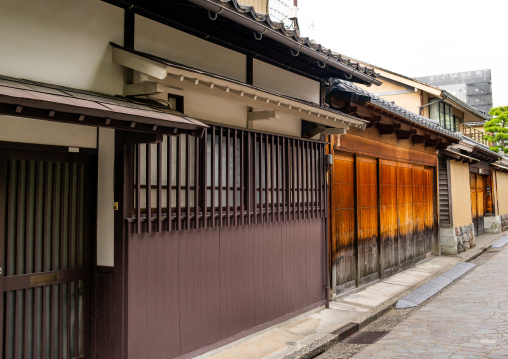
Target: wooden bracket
[143,88]
[404,134]
[419,138]
[387,128]
[262,115]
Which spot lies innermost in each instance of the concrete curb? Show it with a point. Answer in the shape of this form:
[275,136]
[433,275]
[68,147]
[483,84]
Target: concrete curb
[319,346]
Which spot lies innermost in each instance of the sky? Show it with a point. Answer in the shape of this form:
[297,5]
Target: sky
[416,38]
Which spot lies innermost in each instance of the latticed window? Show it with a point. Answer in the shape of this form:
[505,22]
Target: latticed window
[226,177]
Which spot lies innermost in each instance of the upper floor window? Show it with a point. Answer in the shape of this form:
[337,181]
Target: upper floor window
[443,113]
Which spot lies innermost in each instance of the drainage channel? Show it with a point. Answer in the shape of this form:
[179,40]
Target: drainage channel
[352,340]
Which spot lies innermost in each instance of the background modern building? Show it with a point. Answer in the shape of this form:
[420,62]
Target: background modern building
[472,87]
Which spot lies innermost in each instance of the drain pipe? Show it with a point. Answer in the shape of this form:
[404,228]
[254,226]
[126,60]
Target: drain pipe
[328,164]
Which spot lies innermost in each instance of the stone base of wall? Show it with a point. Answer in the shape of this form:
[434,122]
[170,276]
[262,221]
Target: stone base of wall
[457,240]
[493,224]
[504,222]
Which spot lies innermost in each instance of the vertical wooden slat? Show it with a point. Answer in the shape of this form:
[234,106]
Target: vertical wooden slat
[307,180]
[265,146]
[148,192]
[252,178]
[4,172]
[261,219]
[38,267]
[204,194]
[221,170]
[187,183]
[60,287]
[178,182]
[138,188]
[278,176]
[213,177]
[242,179]
[293,178]
[235,176]
[272,182]
[19,240]
[70,204]
[196,182]
[159,187]
[28,192]
[249,186]
[55,215]
[298,180]
[76,261]
[284,178]
[169,180]
[321,180]
[313,180]
[228,182]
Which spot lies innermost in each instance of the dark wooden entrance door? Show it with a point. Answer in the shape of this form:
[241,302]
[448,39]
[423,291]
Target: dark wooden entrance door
[477,203]
[46,201]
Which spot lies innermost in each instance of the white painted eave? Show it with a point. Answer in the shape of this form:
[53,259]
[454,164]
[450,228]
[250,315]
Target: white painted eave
[186,79]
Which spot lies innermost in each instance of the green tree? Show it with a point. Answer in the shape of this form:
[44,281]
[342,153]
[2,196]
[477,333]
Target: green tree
[497,129]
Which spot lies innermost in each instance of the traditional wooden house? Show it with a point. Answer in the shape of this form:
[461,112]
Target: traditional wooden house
[465,209]
[383,207]
[162,188]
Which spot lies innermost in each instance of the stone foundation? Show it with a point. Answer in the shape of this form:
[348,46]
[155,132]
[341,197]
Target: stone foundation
[504,222]
[493,224]
[457,240]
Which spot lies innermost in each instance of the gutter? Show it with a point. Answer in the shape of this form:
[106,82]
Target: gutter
[274,35]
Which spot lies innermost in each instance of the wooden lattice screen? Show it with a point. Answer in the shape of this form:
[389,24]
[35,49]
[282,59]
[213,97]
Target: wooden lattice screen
[227,177]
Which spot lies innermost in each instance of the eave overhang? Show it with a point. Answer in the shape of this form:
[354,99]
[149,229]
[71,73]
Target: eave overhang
[21,98]
[183,77]
[240,28]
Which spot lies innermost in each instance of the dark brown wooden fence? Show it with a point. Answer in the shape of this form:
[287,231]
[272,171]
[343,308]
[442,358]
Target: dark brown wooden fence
[226,237]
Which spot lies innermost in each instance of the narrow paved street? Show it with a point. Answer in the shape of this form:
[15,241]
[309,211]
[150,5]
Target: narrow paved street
[467,320]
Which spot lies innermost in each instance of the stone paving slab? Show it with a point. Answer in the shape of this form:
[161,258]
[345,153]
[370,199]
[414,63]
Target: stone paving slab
[501,242]
[466,320]
[426,291]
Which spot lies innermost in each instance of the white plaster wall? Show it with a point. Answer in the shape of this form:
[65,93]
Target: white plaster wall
[168,43]
[285,125]
[25,130]
[284,82]
[64,42]
[105,197]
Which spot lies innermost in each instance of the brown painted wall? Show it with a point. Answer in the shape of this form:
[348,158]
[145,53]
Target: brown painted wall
[195,288]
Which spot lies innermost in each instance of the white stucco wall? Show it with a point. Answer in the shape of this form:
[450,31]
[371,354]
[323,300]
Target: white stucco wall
[284,82]
[168,43]
[64,42]
[105,197]
[18,129]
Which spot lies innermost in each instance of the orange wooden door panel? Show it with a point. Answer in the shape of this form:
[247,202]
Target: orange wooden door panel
[405,212]
[418,211]
[343,248]
[367,214]
[388,215]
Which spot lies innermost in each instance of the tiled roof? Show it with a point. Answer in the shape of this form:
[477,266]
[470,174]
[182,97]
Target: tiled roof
[389,106]
[298,43]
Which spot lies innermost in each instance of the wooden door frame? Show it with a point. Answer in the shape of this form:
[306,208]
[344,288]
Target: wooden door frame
[59,153]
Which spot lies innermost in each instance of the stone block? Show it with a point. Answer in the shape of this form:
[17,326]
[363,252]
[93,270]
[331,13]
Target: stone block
[448,240]
[447,249]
